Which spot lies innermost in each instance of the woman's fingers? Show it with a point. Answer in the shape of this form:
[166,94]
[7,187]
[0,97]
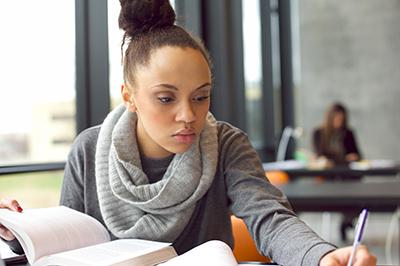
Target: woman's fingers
[11,204]
[363,257]
[341,256]
[6,234]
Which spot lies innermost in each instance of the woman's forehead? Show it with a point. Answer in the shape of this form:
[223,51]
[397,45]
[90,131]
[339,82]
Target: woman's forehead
[176,55]
[175,65]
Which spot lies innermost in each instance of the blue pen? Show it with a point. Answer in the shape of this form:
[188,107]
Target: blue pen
[359,233]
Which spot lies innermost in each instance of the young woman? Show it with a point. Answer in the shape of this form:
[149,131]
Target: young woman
[161,167]
[334,140]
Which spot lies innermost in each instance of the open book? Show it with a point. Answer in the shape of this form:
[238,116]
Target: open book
[211,253]
[63,236]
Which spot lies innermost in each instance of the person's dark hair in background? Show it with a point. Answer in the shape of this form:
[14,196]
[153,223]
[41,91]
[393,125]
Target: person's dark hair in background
[334,140]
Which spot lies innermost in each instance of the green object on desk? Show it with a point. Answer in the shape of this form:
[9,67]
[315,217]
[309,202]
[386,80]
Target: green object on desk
[301,156]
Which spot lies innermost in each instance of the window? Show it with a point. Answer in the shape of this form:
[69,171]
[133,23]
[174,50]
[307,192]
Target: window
[37,102]
[252,69]
[32,190]
[114,41]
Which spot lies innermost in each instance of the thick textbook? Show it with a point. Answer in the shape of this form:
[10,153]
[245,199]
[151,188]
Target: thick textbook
[63,236]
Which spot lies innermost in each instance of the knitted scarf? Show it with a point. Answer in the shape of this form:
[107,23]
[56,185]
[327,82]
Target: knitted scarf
[133,208]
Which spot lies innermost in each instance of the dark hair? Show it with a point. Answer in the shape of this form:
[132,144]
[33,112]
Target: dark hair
[149,25]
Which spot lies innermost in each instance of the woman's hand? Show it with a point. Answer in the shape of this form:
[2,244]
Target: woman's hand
[352,157]
[13,205]
[341,256]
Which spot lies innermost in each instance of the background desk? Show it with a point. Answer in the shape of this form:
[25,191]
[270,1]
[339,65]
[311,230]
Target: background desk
[343,170]
[297,169]
[342,196]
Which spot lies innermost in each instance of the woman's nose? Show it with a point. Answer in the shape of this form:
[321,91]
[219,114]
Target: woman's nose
[186,113]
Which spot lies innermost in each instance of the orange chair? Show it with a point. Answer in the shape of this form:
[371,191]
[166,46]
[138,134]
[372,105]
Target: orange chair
[245,249]
[277,178]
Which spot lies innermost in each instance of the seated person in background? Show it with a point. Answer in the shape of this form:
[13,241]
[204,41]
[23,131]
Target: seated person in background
[162,168]
[333,140]
[336,143]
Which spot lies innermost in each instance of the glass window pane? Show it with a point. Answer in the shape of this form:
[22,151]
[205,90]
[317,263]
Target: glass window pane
[32,190]
[37,103]
[252,69]
[114,44]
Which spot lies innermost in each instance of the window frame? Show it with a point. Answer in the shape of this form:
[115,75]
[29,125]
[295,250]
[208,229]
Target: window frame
[221,28]
[219,24]
[92,76]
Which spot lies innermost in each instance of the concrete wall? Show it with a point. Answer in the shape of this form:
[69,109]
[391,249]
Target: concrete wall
[350,51]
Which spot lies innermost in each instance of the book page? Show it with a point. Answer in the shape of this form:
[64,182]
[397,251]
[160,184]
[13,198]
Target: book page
[51,230]
[118,252]
[213,252]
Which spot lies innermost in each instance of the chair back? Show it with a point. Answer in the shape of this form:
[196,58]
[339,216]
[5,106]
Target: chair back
[245,249]
[277,177]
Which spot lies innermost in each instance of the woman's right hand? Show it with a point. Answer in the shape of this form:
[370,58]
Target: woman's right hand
[13,205]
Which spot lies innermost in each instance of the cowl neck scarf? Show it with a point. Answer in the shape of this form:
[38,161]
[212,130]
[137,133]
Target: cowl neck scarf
[133,208]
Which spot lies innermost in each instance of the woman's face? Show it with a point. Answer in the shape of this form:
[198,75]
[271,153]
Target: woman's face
[171,99]
[338,120]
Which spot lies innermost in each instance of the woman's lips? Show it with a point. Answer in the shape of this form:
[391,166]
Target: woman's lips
[185,138]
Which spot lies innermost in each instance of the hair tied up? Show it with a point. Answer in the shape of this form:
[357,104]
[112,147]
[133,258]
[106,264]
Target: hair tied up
[141,16]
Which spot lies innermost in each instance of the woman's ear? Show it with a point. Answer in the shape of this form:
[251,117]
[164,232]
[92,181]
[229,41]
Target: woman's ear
[128,99]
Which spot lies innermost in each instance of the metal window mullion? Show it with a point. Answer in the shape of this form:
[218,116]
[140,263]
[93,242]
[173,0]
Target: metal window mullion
[287,88]
[286,60]
[92,66]
[222,33]
[30,168]
[268,127]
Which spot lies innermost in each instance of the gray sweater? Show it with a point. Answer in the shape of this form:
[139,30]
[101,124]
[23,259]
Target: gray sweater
[239,188]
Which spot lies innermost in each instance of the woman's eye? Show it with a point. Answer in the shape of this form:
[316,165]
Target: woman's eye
[165,99]
[201,98]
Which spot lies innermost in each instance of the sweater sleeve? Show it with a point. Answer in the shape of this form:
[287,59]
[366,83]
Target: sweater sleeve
[277,231]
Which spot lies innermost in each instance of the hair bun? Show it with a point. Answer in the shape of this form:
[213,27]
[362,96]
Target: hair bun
[140,16]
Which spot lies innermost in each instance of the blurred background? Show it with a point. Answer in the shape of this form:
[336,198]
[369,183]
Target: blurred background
[277,64]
